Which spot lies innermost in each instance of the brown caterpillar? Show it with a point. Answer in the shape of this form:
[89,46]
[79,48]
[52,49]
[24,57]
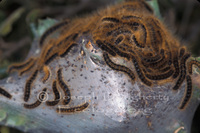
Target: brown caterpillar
[191,63]
[46,74]
[188,93]
[28,85]
[20,66]
[161,76]
[67,50]
[183,71]
[64,87]
[5,93]
[140,73]
[56,94]
[118,67]
[38,101]
[72,109]
[28,68]
[51,30]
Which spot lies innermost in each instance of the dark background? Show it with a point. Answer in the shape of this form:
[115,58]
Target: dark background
[182,17]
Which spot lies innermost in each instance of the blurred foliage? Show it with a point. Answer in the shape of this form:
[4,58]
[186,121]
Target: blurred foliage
[6,25]
[19,20]
[182,17]
[155,6]
[42,26]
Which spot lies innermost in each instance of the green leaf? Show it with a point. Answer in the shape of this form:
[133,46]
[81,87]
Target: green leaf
[155,6]
[16,120]
[42,26]
[3,115]
[6,25]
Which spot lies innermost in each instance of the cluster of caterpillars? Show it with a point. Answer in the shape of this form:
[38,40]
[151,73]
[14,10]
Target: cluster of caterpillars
[57,96]
[128,30]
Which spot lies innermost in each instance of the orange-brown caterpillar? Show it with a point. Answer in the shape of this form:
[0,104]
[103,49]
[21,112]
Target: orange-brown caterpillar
[21,67]
[106,48]
[46,74]
[191,63]
[51,58]
[118,67]
[161,76]
[119,40]
[28,85]
[128,31]
[72,109]
[176,65]
[140,73]
[26,69]
[67,50]
[182,52]
[183,71]
[51,30]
